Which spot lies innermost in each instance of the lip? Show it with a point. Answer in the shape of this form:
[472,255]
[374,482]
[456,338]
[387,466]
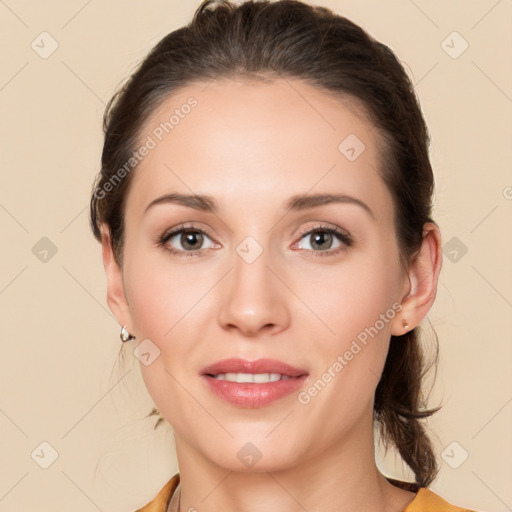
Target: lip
[237,365]
[253,395]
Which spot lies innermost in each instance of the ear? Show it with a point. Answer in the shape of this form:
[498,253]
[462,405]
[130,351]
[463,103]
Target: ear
[423,276]
[115,287]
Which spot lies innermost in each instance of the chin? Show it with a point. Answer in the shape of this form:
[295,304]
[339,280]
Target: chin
[258,455]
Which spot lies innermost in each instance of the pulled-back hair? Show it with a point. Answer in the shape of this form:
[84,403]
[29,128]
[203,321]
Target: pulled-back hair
[289,39]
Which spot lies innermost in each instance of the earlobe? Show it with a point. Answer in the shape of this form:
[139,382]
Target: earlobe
[423,276]
[115,286]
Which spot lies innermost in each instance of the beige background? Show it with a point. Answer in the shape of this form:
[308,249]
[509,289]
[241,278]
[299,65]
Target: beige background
[59,377]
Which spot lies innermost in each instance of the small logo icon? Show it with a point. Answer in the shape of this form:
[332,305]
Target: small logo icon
[146,352]
[454,249]
[249,454]
[44,250]
[44,45]
[351,147]
[454,45]
[44,455]
[249,249]
[454,455]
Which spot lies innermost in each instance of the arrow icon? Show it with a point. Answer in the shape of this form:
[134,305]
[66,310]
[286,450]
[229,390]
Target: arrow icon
[146,352]
[351,147]
[454,455]
[44,455]
[249,455]
[249,253]
[454,45]
[44,250]
[44,44]
[454,249]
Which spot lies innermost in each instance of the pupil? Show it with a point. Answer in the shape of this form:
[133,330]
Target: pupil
[321,235]
[190,239]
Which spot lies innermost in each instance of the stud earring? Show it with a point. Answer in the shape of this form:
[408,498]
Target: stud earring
[125,335]
[405,324]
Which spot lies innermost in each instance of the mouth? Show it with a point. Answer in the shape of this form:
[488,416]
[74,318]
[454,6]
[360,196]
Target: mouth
[244,369]
[252,384]
[259,378]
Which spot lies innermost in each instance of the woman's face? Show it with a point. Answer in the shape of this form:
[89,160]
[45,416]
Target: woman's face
[247,282]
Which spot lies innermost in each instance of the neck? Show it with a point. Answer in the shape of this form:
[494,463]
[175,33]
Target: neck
[342,478]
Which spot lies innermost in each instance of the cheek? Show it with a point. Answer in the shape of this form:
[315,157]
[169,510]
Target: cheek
[162,309]
[161,295]
[150,305]
[354,307]
[347,299]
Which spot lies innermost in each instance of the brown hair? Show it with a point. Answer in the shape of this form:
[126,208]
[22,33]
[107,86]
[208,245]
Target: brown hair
[288,38]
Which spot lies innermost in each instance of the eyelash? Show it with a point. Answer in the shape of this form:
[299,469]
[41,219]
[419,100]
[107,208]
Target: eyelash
[162,241]
[343,237]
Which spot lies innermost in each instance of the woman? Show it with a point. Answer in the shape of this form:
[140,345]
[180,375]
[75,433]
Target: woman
[264,207]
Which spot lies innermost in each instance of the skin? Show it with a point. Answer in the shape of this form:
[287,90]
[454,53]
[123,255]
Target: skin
[251,146]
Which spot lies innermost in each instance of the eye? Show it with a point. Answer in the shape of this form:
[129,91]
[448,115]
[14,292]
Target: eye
[325,240]
[185,241]
[189,241]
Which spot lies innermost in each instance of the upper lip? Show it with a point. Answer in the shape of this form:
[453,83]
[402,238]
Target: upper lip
[237,365]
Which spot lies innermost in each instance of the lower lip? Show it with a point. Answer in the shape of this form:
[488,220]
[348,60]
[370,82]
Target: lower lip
[253,395]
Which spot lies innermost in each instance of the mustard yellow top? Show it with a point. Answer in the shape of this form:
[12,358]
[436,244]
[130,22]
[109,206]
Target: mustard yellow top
[425,500]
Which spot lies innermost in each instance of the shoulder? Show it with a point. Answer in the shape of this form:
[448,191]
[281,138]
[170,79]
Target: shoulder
[161,501]
[428,501]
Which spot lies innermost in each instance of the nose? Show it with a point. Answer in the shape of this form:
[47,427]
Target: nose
[254,300]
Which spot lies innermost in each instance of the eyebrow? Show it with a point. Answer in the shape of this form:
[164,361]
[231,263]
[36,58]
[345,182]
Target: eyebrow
[295,203]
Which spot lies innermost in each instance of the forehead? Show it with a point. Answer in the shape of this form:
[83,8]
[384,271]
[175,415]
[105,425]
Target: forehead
[259,139]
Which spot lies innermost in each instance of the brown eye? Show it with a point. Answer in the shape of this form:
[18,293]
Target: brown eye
[185,241]
[321,240]
[325,241]
[191,240]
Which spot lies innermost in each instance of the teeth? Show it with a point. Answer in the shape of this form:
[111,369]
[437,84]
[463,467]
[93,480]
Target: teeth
[259,378]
